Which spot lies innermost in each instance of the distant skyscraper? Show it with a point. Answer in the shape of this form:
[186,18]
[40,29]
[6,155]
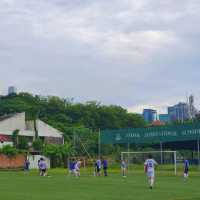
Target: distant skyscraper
[179,112]
[150,115]
[12,90]
[192,109]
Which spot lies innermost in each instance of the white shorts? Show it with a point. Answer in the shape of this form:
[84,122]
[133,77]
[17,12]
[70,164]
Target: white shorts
[75,171]
[150,174]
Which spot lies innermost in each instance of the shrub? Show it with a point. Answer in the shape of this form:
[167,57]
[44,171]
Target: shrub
[9,150]
[37,145]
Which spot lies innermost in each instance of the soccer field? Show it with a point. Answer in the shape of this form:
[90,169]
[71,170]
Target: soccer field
[20,186]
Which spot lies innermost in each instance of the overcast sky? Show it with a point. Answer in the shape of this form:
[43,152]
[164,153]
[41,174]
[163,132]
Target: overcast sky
[133,53]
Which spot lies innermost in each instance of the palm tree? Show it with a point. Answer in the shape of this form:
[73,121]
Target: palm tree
[15,137]
[35,128]
[35,115]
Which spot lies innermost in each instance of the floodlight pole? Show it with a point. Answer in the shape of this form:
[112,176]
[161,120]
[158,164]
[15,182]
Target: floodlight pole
[99,144]
[128,154]
[175,163]
[161,153]
[198,152]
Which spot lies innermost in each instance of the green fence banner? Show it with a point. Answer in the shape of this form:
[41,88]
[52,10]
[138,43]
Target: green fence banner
[151,135]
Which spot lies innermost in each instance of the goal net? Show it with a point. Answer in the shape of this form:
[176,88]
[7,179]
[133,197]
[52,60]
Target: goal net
[166,159]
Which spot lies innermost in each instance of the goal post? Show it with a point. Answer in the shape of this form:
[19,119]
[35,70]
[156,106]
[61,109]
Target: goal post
[158,154]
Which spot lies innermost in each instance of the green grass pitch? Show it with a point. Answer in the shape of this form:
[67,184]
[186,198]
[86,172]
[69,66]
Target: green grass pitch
[20,186]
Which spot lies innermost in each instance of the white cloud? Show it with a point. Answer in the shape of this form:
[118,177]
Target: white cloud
[82,25]
[119,52]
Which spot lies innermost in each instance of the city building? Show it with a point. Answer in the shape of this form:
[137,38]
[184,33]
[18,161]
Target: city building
[150,115]
[11,123]
[179,112]
[192,110]
[164,118]
[12,90]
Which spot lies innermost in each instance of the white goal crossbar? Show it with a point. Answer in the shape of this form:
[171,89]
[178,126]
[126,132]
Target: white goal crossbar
[151,152]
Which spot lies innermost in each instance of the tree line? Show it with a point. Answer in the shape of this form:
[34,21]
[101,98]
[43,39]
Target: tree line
[80,122]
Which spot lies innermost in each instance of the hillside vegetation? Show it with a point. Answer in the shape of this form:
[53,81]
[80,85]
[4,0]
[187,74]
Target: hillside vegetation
[83,119]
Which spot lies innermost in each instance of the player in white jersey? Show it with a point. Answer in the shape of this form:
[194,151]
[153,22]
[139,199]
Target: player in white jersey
[123,168]
[77,168]
[149,167]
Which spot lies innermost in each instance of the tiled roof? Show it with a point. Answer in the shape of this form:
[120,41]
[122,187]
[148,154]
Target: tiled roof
[157,123]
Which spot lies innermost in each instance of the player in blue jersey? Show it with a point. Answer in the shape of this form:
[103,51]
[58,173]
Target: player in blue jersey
[105,167]
[72,167]
[185,169]
[26,165]
[149,167]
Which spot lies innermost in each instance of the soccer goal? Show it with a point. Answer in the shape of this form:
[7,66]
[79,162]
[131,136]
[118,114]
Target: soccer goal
[167,159]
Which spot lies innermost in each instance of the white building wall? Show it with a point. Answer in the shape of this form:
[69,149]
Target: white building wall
[13,123]
[33,159]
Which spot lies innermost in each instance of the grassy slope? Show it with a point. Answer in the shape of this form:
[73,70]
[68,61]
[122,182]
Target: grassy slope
[20,186]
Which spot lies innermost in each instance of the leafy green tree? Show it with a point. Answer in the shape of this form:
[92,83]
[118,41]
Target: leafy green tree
[66,150]
[58,153]
[53,151]
[79,122]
